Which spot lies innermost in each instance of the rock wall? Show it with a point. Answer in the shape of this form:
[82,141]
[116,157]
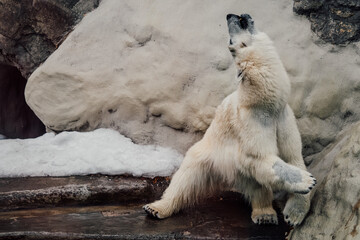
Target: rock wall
[30,30]
[155,71]
[334,21]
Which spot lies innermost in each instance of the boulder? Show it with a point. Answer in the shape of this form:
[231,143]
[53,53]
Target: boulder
[334,212]
[30,30]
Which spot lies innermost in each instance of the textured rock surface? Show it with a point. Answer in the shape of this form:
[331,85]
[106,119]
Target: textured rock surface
[335,210]
[334,21]
[30,30]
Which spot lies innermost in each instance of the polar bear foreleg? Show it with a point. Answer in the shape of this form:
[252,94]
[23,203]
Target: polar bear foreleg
[290,147]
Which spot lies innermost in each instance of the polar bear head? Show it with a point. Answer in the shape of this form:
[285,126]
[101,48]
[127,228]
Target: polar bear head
[241,31]
[260,71]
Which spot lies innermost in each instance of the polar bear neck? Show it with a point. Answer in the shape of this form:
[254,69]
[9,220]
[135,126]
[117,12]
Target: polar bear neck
[264,82]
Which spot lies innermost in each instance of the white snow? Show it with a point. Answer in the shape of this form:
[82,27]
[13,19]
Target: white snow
[74,153]
[2,137]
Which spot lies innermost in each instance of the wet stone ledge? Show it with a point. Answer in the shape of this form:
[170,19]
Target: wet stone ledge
[17,193]
[226,216]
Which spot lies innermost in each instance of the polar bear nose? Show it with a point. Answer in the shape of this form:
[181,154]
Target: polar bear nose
[237,22]
[232,15]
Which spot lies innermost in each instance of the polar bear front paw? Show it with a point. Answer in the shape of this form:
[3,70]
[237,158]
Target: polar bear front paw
[306,184]
[294,179]
[264,216]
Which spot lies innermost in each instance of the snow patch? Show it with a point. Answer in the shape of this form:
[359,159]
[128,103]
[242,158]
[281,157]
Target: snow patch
[79,153]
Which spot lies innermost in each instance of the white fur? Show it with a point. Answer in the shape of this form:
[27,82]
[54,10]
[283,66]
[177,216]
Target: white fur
[254,131]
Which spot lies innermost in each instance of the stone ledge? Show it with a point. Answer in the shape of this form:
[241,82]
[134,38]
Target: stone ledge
[80,236]
[226,216]
[17,193]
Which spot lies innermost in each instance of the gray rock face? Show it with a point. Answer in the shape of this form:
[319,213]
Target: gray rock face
[334,21]
[334,212]
[30,30]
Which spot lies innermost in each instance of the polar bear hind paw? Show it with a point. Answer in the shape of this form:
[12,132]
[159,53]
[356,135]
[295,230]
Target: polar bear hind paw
[296,209]
[293,220]
[265,219]
[264,216]
[154,212]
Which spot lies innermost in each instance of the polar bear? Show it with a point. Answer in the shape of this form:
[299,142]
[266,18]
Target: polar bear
[253,145]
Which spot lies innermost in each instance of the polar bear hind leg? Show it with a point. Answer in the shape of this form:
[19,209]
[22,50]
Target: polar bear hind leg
[192,181]
[262,209]
[261,199]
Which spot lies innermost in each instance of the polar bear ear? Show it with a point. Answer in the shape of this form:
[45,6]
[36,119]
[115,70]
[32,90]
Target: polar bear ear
[247,22]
